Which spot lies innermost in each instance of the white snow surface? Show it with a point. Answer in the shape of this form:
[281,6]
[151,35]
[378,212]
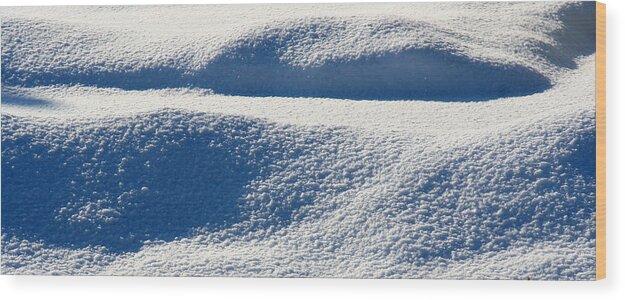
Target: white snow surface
[413,140]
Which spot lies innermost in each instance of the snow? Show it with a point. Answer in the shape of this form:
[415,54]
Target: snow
[360,141]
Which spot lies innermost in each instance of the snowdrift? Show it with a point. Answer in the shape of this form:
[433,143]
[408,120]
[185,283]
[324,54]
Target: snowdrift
[348,58]
[170,175]
[253,68]
[214,147]
[122,182]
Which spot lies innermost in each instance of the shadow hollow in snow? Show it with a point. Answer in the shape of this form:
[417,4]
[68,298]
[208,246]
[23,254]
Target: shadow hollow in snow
[582,157]
[575,37]
[476,204]
[425,74]
[166,175]
[125,184]
[254,65]
[8,99]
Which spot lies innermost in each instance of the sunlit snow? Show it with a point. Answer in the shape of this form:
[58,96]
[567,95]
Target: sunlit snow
[424,140]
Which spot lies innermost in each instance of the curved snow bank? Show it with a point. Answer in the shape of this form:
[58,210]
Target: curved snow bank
[259,65]
[325,202]
[354,57]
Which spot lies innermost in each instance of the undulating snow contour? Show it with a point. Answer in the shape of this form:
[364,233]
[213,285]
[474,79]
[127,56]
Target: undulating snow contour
[413,140]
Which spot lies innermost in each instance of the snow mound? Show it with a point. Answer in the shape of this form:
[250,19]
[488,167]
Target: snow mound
[299,59]
[132,184]
[119,183]
[357,57]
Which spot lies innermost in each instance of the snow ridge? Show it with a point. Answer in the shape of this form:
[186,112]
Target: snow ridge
[346,57]
[124,184]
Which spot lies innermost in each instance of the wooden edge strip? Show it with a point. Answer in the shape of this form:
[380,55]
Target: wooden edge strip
[600,89]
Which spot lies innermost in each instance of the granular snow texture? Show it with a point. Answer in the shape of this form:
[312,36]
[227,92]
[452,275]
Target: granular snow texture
[360,141]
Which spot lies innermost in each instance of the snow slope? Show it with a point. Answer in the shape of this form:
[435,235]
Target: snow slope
[370,140]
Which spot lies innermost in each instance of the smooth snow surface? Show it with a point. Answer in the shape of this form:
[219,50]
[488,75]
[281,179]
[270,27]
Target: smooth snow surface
[447,140]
